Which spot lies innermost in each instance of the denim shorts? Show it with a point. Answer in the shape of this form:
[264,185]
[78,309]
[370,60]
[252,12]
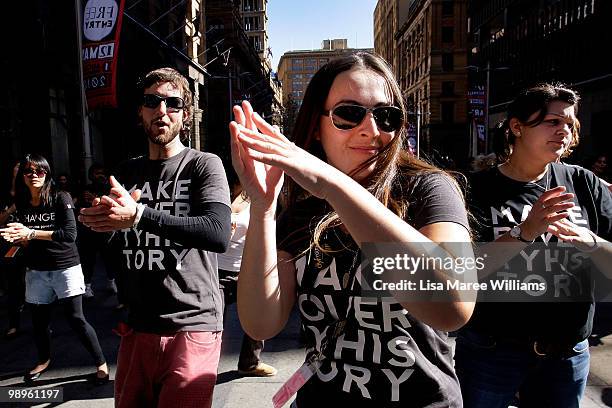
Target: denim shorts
[44,287]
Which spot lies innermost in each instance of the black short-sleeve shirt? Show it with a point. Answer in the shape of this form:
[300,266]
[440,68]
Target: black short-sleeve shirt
[384,357]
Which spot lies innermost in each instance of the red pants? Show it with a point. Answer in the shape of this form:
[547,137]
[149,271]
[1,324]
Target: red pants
[177,370]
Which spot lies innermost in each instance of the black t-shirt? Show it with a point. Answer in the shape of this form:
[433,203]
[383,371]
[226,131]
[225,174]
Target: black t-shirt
[170,287]
[384,357]
[61,252]
[498,203]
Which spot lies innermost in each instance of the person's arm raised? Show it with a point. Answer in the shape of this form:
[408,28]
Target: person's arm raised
[266,287]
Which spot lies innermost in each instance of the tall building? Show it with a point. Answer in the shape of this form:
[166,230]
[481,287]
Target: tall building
[295,68]
[44,113]
[387,17]
[428,52]
[254,15]
[517,43]
[236,73]
[255,22]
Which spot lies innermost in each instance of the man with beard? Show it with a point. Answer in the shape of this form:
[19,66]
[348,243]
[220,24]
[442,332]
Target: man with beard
[170,346]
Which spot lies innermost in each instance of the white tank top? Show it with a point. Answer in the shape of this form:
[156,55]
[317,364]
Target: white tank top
[230,260]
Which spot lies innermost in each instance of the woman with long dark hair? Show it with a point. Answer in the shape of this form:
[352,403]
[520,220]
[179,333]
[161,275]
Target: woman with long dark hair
[540,214]
[351,181]
[46,228]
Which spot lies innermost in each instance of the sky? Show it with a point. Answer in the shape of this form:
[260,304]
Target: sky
[304,24]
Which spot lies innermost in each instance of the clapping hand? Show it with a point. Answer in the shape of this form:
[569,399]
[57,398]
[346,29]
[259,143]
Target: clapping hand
[15,232]
[261,181]
[254,140]
[580,237]
[112,212]
[550,208]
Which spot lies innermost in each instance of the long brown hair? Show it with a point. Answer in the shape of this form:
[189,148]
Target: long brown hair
[394,169]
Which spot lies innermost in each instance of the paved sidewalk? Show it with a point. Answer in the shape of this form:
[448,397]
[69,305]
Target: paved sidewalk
[71,363]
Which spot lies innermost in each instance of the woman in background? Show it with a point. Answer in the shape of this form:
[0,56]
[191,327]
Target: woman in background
[47,228]
[539,348]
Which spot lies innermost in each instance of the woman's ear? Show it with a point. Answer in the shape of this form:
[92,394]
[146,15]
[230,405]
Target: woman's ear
[317,133]
[515,127]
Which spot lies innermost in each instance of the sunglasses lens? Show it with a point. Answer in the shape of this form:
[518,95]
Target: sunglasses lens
[388,118]
[348,116]
[174,102]
[37,173]
[151,101]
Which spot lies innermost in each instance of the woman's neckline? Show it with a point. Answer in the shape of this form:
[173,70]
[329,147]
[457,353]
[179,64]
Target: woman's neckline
[507,170]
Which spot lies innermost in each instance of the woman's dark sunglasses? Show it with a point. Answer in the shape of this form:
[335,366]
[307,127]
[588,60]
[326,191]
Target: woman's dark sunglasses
[31,172]
[152,101]
[345,117]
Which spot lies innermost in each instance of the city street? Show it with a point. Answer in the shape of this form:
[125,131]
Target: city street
[71,364]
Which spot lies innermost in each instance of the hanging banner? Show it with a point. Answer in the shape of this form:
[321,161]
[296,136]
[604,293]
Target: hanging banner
[477,108]
[413,138]
[101,32]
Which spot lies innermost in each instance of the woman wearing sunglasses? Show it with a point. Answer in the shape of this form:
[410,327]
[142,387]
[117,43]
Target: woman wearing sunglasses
[547,218]
[350,181]
[46,227]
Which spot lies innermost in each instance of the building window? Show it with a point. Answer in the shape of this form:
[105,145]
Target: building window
[310,64]
[297,64]
[256,43]
[447,34]
[250,5]
[447,8]
[448,88]
[447,112]
[251,23]
[447,62]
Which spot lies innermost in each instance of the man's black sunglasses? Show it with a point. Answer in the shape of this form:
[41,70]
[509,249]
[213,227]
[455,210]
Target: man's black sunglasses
[152,101]
[346,116]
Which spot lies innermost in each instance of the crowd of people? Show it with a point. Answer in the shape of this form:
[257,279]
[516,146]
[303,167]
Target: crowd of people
[179,245]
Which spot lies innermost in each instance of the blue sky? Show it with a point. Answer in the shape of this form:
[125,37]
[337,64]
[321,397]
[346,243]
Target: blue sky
[303,24]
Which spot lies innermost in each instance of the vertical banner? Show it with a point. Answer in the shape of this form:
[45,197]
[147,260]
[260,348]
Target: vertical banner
[101,32]
[477,101]
[413,137]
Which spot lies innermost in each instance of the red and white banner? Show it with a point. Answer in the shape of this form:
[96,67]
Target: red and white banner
[101,32]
